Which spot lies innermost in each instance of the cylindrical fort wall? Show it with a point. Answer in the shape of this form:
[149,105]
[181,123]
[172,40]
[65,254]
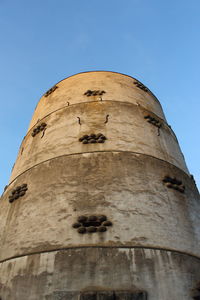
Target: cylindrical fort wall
[100,203]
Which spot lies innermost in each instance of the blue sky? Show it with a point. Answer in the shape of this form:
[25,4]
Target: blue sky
[42,42]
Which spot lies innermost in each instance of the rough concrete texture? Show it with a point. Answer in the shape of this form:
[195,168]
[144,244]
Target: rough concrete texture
[118,87]
[126,187]
[126,130]
[66,274]
[151,251]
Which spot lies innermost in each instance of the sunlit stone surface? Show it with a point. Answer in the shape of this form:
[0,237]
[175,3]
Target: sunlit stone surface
[96,221]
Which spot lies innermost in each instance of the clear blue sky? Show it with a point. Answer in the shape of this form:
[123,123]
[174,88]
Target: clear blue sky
[44,41]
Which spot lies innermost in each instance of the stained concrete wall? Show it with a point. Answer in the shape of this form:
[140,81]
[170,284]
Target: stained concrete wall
[62,275]
[126,187]
[126,130]
[118,87]
[154,241]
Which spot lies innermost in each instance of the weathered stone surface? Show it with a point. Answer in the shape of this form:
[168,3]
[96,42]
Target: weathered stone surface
[122,186]
[63,295]
[151,246]
[59,275]
[118,87]
[126,130]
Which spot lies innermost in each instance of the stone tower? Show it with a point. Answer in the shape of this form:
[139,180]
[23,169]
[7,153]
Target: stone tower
[100,204]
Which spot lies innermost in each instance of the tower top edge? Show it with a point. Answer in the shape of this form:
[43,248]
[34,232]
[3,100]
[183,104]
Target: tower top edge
[98,71]
[105,71]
